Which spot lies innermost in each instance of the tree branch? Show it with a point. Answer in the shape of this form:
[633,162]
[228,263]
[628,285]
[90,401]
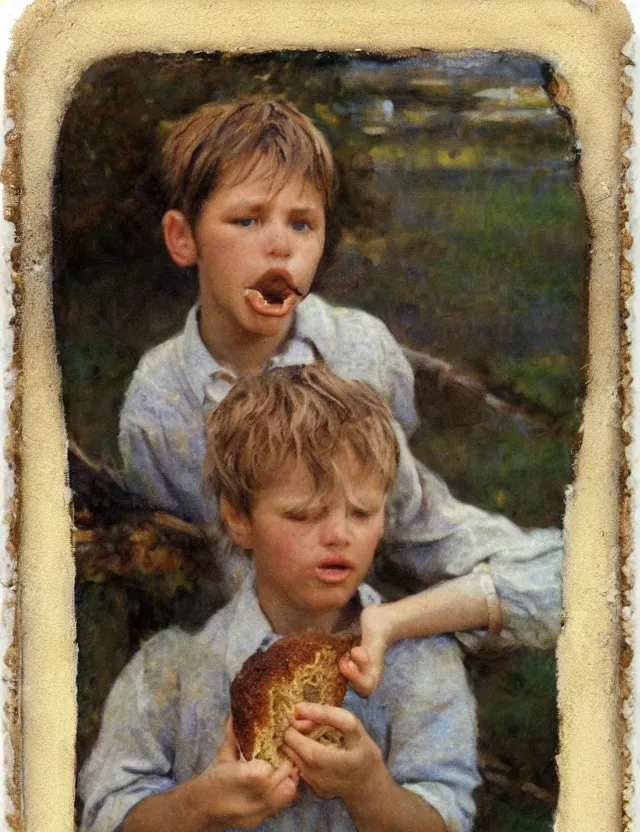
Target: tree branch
[446,376]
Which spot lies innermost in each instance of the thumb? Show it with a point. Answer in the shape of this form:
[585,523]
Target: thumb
[359,671]
[228,752]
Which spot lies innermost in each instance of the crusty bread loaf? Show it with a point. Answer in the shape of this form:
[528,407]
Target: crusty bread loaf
[300,667]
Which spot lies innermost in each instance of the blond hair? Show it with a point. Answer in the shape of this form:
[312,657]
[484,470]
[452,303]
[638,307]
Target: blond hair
[231,139]
[276,419]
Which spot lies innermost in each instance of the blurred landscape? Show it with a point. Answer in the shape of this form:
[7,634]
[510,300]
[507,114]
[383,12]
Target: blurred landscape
[462,228]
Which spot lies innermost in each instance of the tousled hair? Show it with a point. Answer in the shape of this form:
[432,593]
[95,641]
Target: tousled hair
[232,139]
[288,415]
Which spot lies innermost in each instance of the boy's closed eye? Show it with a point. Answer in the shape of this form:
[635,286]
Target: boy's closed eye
[361,513]
[303,515]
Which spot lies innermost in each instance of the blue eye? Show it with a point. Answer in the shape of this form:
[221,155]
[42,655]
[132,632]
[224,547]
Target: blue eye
[300,225]
[245,222]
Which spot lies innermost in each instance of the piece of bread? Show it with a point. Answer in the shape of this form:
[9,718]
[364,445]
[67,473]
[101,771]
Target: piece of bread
[297,668]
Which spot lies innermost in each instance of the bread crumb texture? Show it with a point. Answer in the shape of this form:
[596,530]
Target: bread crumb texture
[302,667]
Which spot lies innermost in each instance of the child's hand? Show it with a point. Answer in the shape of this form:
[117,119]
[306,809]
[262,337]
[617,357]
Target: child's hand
[346,772]
[242,794]
[363,665]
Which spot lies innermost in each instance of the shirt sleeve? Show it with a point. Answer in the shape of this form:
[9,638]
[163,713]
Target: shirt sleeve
[398,381]
[141,466]
[432,537]
[133,756]
[432,749]
[141,444]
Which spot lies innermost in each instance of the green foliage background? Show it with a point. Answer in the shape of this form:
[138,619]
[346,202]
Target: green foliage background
[463,229]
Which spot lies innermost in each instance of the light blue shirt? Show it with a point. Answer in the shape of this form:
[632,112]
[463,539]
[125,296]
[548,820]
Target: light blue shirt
[428,533]
[164,722]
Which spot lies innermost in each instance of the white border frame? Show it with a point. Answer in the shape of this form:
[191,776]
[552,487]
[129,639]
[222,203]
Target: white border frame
[11,11]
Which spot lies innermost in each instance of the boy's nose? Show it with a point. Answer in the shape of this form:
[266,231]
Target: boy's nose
[277,240]
[335,529]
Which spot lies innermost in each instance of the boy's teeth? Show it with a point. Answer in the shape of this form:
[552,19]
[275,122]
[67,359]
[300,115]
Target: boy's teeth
[261,304]
[257,294]
[268,298]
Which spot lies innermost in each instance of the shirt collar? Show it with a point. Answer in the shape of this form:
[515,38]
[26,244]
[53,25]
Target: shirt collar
[249,628]
[199,364]
[310,336]
[312,325]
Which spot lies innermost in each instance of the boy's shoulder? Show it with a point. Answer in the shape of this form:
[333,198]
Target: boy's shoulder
[156,357]
[158,366]
[174,651]
[319,317]
[425,669]
[353,342]
[159,383]
[442,647]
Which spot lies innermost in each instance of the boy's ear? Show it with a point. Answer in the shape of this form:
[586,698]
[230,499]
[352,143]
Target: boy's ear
[179,239]
[238,523]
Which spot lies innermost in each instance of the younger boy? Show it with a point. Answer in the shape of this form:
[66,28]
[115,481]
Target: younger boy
[251,190]
[301,462]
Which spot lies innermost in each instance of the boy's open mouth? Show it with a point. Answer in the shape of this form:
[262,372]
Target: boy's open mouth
[273,294]
[334,570]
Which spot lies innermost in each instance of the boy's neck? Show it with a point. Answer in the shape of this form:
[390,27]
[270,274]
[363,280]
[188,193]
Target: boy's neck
[241,352]
[284,620]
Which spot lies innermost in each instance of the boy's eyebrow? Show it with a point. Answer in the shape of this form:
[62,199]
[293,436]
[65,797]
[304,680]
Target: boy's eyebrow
[293,503]
[250,204]
[305,206]
[367,503]
[370,497]
[370,502]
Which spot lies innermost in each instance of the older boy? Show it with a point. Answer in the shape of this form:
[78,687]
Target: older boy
[251,189]
[301,461]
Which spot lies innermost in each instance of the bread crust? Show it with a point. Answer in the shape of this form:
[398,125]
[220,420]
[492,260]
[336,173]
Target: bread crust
[299,667]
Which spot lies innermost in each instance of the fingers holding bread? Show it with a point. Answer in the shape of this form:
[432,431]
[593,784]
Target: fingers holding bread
[329,770]
[302,667]
[307,746]
[326,716]
[361,670]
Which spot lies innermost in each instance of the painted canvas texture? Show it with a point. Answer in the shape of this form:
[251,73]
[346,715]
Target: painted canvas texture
[462,228]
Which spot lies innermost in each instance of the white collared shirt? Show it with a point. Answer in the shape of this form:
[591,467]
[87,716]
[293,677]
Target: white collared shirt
[428,533]
[164,722]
